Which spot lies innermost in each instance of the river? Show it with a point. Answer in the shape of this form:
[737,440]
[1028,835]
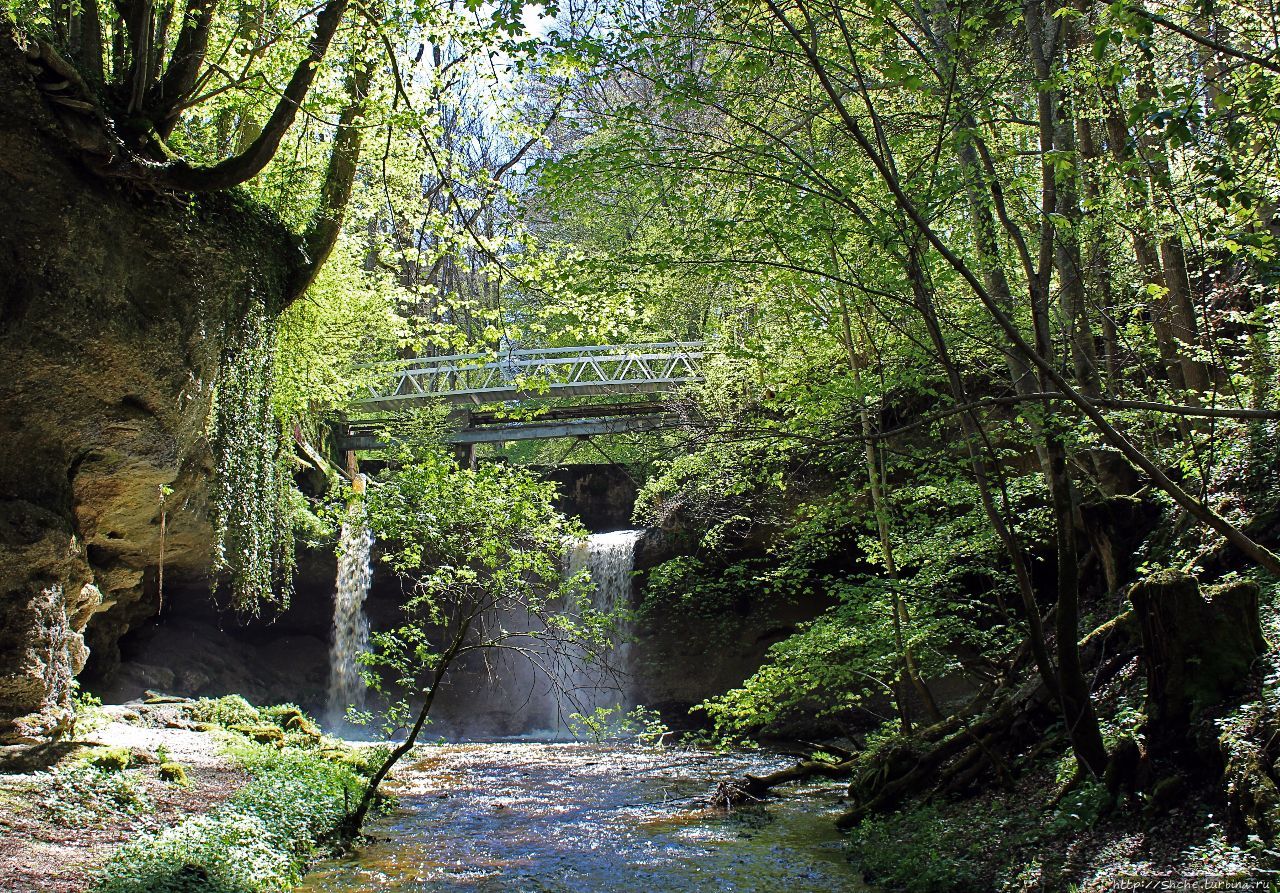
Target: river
[582,818]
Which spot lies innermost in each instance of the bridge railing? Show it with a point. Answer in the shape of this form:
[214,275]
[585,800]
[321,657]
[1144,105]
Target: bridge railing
[519,374]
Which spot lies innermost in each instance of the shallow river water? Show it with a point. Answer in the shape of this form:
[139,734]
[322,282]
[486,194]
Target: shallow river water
[580,818]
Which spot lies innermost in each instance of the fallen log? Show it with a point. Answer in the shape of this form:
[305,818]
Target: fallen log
[754,788]
[952,753]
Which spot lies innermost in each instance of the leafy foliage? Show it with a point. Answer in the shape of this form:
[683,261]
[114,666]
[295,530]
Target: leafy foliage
[920,850]
[481,550]
[85,794]
[643,724]
[251,492]
[227,711]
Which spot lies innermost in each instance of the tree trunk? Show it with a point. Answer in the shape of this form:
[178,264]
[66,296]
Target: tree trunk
[908,672]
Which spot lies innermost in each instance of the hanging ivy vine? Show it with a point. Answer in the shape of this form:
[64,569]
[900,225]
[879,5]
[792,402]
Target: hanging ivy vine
[252,505]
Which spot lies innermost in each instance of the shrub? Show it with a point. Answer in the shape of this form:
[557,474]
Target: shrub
[1080,808]
[360,760]
[920,850]
[218,853]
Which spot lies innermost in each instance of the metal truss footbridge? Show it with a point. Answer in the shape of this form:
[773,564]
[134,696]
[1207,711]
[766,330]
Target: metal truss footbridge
[534,374]
[526,376]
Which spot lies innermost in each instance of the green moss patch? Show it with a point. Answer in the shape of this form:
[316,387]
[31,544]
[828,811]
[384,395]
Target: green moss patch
[110,759]
[262,733]
[174,773]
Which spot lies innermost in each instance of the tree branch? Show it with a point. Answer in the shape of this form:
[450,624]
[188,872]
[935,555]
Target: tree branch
[1196,37]
[1202,512]
[339,178]
[166,97]
[183,177]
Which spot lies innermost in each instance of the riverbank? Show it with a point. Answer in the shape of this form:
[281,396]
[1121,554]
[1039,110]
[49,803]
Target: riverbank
[110,813]
[188,795]
[61,820]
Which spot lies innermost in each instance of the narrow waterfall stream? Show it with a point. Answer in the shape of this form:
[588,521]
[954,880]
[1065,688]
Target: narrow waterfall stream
[350,626]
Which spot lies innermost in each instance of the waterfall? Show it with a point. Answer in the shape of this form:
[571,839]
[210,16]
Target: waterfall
[350,626]
[609,558]
[505,694]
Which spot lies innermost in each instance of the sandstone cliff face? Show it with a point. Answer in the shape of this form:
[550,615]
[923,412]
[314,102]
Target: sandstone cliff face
[114,313]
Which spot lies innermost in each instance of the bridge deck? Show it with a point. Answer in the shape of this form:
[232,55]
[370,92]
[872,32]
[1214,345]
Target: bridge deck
[534,374]
[375,439]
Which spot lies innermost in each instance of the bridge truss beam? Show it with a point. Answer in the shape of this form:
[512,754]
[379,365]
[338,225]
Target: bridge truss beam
[534,374]
[537,430]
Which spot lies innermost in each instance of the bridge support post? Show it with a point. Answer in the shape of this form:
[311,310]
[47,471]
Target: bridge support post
[465,454]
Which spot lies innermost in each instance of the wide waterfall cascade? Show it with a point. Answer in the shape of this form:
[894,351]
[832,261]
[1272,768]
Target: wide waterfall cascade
[350,625]
[503,693]
[610,559]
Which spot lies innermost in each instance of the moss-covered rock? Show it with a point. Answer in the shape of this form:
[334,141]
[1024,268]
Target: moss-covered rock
[174,773]
[262,733]
[361,760]
[305,727]
[283,714]
[110,759]
[142,757]
[115,310]
[290,718]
